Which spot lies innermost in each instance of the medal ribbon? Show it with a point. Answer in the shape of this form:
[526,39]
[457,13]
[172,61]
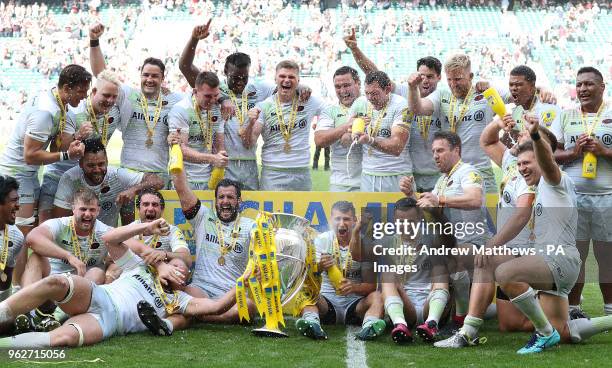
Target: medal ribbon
[144,104]
[94,121]
[152,241]
[454,123]
[424,123]
[444,183]
[4,253]
[62,119]
[76,245]
[590,128]
[348,261]
[221,236]
[170,305]
[206,129]
[241,110]
[286,129]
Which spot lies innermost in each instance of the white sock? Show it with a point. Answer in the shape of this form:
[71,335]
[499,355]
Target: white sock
[394,306]
[461,289]
[169,324]
[529,305]
[574,307]
[437,302]
[27,340]
[608,309]
[471,325]
[583,328]
[6,314]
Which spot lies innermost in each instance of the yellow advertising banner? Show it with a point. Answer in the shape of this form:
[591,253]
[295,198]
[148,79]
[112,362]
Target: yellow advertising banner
[314,206]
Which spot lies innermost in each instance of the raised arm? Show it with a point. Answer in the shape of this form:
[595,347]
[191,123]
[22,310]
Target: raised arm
[187,197]
[489,139]
[365,64]
[253,128]
[543,152]
[96,59]
[416,104]
[189,70]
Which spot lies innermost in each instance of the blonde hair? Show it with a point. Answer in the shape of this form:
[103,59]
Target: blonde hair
[108,76]
[288,64]
[458,61]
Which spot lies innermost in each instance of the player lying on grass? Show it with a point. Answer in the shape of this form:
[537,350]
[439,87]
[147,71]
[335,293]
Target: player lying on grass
[99,312]
[355,300]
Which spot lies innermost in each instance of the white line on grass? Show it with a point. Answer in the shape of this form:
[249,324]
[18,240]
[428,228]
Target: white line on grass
[355,349]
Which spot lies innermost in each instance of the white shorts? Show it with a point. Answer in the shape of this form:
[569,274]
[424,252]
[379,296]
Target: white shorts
[418,298]
[342,188]
[594,214]
[104,311]
[29,186]
[47,192]
[296,179]
[342,305]
[245,172]
[375,183]
[564,268]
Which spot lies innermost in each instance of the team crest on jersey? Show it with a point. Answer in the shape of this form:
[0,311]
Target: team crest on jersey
[450,183]
[111,119]
[538,209]
[385,133]
[94,245]
[478,97]
[214,118]
[157,245]
[300,108]
[10,243]
[548,116]
[507,197]
[475,178]
[107,206]
[606,121]
[252,94]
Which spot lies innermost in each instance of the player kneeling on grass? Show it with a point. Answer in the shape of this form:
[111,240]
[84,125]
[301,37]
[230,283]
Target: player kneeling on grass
[70,244]
[355,300]
[99,312]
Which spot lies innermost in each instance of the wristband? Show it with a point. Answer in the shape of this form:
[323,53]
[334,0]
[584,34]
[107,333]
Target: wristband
[94,43]
[535,136]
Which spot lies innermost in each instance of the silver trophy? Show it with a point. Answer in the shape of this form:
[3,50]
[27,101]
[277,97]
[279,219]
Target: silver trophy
[293,235]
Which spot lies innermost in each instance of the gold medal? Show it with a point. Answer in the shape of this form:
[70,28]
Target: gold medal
[223,247]
[287,147]
[532,237]
[149,142]
[144,104]
[241,132]
[221,261]
[3,277]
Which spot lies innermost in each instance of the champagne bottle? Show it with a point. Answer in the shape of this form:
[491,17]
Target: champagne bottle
[175,165]
[589,165]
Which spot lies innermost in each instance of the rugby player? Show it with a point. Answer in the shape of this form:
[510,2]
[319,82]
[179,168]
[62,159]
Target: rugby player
[333,130]
[356,301]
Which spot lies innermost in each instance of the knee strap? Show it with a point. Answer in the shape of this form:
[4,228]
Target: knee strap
[80,331]
[70,289]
